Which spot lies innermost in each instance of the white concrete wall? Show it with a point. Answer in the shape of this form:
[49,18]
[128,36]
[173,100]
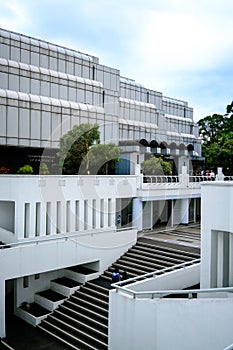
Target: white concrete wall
[162,324]
[217,209]
[179,279]
[48,205]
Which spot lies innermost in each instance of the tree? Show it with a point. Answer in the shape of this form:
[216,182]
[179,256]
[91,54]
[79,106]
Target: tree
[74,148]
[103,158]
[216,132]
[156,166]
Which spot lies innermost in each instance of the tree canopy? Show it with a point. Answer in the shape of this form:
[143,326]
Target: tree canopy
[74,147]
[103,158]
[156,166]
[81,153]
[216,132]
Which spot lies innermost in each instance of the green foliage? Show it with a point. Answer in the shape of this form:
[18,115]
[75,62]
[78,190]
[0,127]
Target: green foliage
[103,158]
[44,169]
[216,132]
[26,169]
[74,148]
[156,166]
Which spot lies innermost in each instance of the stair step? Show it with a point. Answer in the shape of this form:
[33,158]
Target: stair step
[149,252]
[94,292]
[75,317]
[91,298]
[65,337]
[135,270]
[75,334]
[51,295]
[153,258]
[79,325]
[67,282]
[157,263]
[81,308]
[135,263]
[82,270]
[79,300]
[169,250]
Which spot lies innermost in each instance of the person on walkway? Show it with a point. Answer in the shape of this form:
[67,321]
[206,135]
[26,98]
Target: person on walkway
[116,275]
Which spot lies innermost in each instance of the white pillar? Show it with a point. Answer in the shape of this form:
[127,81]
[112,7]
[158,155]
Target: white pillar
[137,213]
[184,211]
[230,260]
[195,210]
[220,260]
[2,309]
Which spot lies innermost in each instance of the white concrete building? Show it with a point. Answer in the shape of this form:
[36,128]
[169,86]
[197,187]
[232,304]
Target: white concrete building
[50,223]
[46,89]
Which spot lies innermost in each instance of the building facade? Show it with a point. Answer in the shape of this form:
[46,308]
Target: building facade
[46,89]
[50,223]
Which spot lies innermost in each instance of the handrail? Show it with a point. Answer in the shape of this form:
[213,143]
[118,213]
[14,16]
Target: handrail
[153,274]
[229,347]
[161,293]
[62,236]
[6,345]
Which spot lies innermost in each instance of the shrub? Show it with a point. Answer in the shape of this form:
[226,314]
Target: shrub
[44,170]
[26,169]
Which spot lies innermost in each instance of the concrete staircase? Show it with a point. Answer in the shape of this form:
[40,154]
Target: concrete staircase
[81,321]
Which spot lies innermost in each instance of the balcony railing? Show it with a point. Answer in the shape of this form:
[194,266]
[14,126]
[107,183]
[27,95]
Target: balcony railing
[158,179]
[198,178]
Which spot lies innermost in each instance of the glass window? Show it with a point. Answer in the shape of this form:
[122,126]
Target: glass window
[14,82]
[24,123]
[3,80]
[35,124]
[24,84]
[15,54]
[12,122]
[25,56]
[35,58]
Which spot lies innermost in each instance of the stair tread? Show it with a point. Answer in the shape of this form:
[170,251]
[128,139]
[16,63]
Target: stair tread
[51,295]
[67,282]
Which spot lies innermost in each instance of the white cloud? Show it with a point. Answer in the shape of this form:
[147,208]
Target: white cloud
[14,15]
[182,42]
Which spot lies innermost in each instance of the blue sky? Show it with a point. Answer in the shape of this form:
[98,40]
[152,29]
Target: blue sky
[181,48]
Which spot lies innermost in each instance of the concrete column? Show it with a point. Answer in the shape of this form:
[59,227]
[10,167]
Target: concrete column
[230,260]
[220,260]
[2,309]
[19,220]
[81,215]
[172,213]
[137,213]
[195,210]
[185,211]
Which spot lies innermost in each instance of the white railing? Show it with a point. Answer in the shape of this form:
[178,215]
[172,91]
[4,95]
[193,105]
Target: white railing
[121,286]
[72,236]
[201,178]
[158,179]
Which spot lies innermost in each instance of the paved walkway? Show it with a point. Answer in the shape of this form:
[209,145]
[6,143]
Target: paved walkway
[189,235]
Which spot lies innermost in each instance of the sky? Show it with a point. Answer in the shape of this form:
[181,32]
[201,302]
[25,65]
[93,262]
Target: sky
[182,48]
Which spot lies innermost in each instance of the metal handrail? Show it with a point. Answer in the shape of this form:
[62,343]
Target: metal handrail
[161,293]
[62,236]
[120,284]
